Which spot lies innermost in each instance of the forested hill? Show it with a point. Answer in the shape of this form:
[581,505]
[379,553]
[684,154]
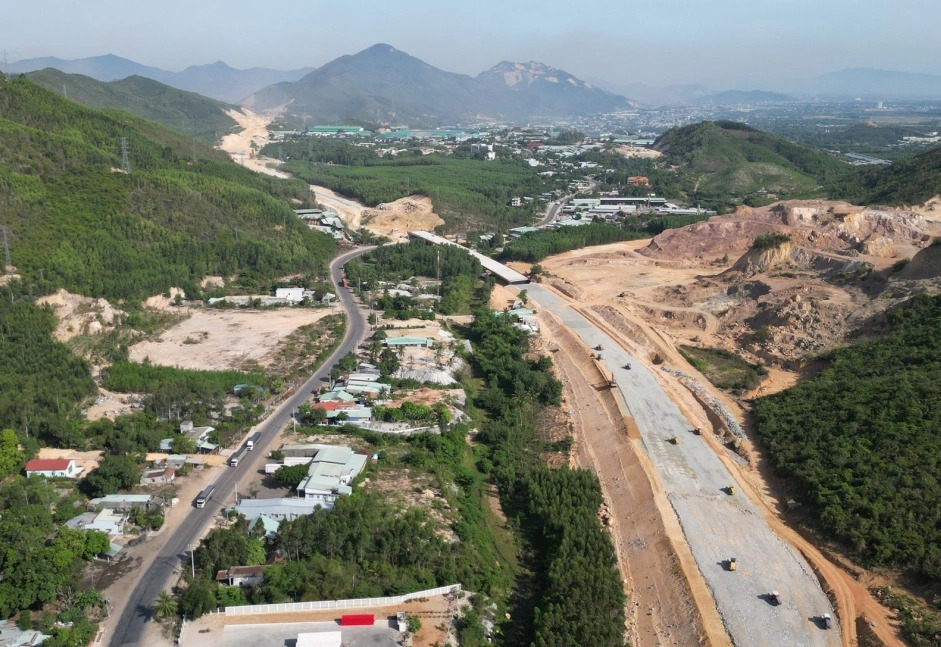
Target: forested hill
[75,220]
[861,443]
[908,181]
[185,112]
[723,158]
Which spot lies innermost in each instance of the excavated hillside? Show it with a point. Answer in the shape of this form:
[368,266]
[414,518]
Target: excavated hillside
[821,271]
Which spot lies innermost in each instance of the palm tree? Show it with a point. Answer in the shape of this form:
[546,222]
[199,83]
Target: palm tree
[164,606]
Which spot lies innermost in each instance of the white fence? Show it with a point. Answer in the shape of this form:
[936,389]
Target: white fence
[287,607]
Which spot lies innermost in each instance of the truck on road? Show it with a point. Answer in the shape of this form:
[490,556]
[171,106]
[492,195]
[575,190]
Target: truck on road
[203,497]
[238,456]
[253,440]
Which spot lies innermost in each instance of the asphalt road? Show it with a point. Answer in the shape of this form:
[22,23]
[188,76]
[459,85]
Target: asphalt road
[717,526]
[553,211]
[175,553]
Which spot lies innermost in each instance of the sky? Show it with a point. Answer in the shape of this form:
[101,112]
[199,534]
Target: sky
[722,44]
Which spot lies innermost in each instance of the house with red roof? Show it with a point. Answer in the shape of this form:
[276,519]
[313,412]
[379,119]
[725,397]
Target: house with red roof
[53,468]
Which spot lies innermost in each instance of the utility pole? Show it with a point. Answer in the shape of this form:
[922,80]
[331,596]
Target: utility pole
[194,151]
[125,160]
[192,564]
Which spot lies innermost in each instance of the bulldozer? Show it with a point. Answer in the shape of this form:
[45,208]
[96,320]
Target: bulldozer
[732,564]
[675,440]
[730,490]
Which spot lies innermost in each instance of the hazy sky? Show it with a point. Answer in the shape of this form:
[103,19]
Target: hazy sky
[719,43]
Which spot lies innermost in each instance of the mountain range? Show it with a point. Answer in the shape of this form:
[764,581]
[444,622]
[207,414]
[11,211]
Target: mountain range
[216,80]
[384,85]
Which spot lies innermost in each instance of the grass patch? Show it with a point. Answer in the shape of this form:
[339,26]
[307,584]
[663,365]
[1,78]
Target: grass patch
[725,369]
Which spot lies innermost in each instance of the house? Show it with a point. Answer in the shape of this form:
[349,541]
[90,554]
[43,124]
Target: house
[122,502]
[328,298]
[241,576]
[53,468]
[13,636]
[107,521]
[353,414]
[201,436]
[277,510]
[186,426]
[330,474]
[294,295]
[158,476]
[406,342]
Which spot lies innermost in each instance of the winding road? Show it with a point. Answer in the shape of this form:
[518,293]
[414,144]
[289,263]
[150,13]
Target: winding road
[129,617]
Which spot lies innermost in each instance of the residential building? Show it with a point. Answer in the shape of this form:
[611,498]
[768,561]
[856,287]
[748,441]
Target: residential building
[406,342]
[241,576]
[294,295]
[107,521]
[13,636]
[353,414]
[158,476]
[330,473]
[122,502]
[53,468]
[277,510]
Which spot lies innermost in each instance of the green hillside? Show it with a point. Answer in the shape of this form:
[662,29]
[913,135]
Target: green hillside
[185,112]
[861,443]
[909,181]
[466,193]
[728,161]
[75,220]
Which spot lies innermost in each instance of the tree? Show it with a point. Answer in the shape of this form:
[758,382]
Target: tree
[113,474]
[291,475]
[11,459]
[343,416]
[165,606]
[318,415]
[197,599]
[183,444]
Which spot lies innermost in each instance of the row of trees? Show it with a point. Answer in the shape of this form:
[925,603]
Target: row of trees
[576,597]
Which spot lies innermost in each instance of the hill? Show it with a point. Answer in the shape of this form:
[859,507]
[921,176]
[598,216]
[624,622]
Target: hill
[75,220]
[861,441]
[908,181]
[216,80]
[186,112]
[384,85]
[724,159]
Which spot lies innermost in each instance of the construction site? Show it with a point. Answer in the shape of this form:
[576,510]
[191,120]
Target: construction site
[705,554]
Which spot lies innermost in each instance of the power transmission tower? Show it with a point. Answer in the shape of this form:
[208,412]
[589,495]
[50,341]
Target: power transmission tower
[194,151]
[125,161]
[8,267]
[65,91]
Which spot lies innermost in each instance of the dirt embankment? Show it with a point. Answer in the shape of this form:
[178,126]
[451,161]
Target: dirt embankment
[244,145]
[80,315]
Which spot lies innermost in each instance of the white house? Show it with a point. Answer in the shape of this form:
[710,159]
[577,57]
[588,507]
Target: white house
[294,295]
[241,575]
[53,467]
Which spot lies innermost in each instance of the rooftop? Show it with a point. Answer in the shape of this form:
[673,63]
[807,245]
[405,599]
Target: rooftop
[48,464]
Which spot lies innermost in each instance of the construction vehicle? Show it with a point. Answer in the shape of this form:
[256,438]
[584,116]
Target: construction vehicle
[730,490]
[627,366]
[774,598]
[732,564]
[826,621]
[675,440]
[604,371]
[698,431]
[599,347]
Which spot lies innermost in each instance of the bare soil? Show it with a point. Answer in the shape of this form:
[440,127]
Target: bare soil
[80,315]
[216,339]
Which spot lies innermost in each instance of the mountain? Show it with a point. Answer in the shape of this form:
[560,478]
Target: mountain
[76,220]
[103,68]
[384,85]
[217,80]
[737,97]
[722,159]
[877,84]
[544,90]
[185,112]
